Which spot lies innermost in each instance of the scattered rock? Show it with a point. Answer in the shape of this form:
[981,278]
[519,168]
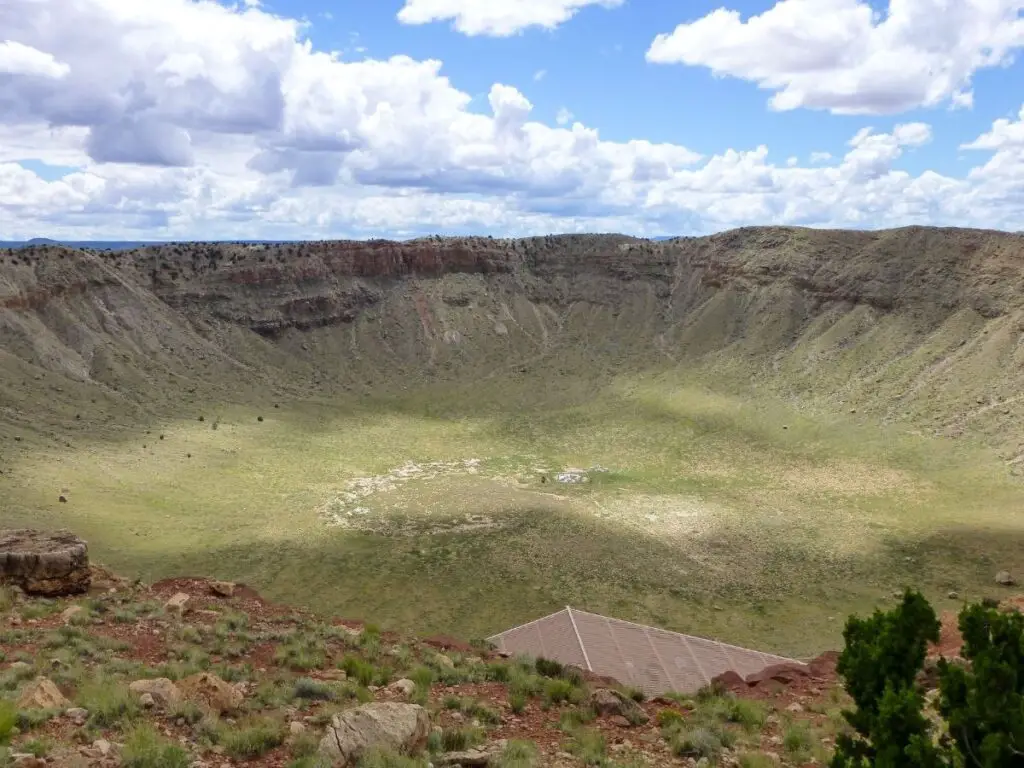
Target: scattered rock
[404,686]
[209,691]
[444,661]
[102,746]
[41,693]
[1004,579]
[619,721]
[77,715]
[223,588]
[147,700]
[389,725]
[178,604]
[607,702]
[70,612]
[795,707]
[471,758]
[161,690]
[19,760]
[296,728]
[953,595]
[52,564]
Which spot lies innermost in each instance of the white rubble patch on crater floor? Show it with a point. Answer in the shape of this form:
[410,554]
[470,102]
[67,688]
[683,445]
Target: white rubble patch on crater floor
[350,504]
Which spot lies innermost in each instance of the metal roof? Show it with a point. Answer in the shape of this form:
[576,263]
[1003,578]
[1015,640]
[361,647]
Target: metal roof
[654,660]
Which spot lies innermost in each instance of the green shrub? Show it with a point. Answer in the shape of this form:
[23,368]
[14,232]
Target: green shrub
[423,677]
[188,711]
[516,702]
[108,702]
[588,745]
[748,714]
[571,719]
[252,738]
[359,670]
[313,690]
[145,748]
[460,739]
[305,744]
[558,690]
[517,754]
[548,667]
[797,739]
[757,760]
[38,747]
[8,721]
[6,599]
[669,717]
[301,655]
[697,742]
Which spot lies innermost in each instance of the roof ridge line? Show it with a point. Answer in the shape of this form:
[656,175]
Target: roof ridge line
[527,624]
[579,639]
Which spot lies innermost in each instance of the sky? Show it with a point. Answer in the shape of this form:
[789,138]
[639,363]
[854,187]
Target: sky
[310,119]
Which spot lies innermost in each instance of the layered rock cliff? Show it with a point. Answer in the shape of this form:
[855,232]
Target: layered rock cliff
[920,325]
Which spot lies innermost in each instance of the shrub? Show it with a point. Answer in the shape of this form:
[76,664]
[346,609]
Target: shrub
[359,670]
[557,691]
[460,739]
[108,702]
[548,667]
[252,739]
[305,745]
[6,599]
[589,746]
[699,742]
[757,760]
[797,740]
[516,702]
[145,748]
[8,721]
[382,758]
[423,677]
[879,666]
[313,690]
[748,714]
[669,717]
[517,754]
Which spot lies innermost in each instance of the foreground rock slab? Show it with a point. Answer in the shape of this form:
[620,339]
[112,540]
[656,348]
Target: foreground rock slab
[386,725]
[48,563]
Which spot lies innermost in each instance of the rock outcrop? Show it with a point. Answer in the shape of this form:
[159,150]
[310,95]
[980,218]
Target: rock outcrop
[384,725]
[51,564]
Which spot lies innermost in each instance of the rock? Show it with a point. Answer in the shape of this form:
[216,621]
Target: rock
[77,715]
[295,728]
[388,725]
[161,690]
[147,700]
[209,691]
[404,686]
[102,746]
[69,613]
[953,595]
[795,707]
[41,693]
[471,758]
[619,721]
[19,760]
[1004,578]
[444,661]
[223,588]
[614,704]
[178,604]
[20,666]
[44,563]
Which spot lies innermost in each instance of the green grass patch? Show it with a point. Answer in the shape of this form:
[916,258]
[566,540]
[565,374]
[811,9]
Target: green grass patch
[144,747]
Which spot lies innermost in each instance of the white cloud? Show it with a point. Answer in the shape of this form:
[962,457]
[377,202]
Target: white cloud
[842,56]
[496,18]
[792,161]
[19,59]
[539,75]
[820,157]
[564,116]
[187,118]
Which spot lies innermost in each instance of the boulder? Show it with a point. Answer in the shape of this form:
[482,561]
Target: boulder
[50,563]
[178,604]
[164,692]
[41,693]
[1005,579]
[381,725]
[404,686]
[210,692]
[609,703]
[223,588]
[470,758]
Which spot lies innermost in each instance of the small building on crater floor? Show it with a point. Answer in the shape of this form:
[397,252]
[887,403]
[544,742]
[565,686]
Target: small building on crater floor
[654,660]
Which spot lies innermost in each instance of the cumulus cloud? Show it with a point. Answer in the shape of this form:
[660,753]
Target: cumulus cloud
[842,56]
[20,59]
[190,119]
[496,18]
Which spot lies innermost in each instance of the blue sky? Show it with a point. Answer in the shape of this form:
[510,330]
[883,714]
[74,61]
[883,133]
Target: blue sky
[202,119]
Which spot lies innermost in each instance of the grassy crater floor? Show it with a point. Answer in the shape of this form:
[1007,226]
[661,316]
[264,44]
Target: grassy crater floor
[747,520]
